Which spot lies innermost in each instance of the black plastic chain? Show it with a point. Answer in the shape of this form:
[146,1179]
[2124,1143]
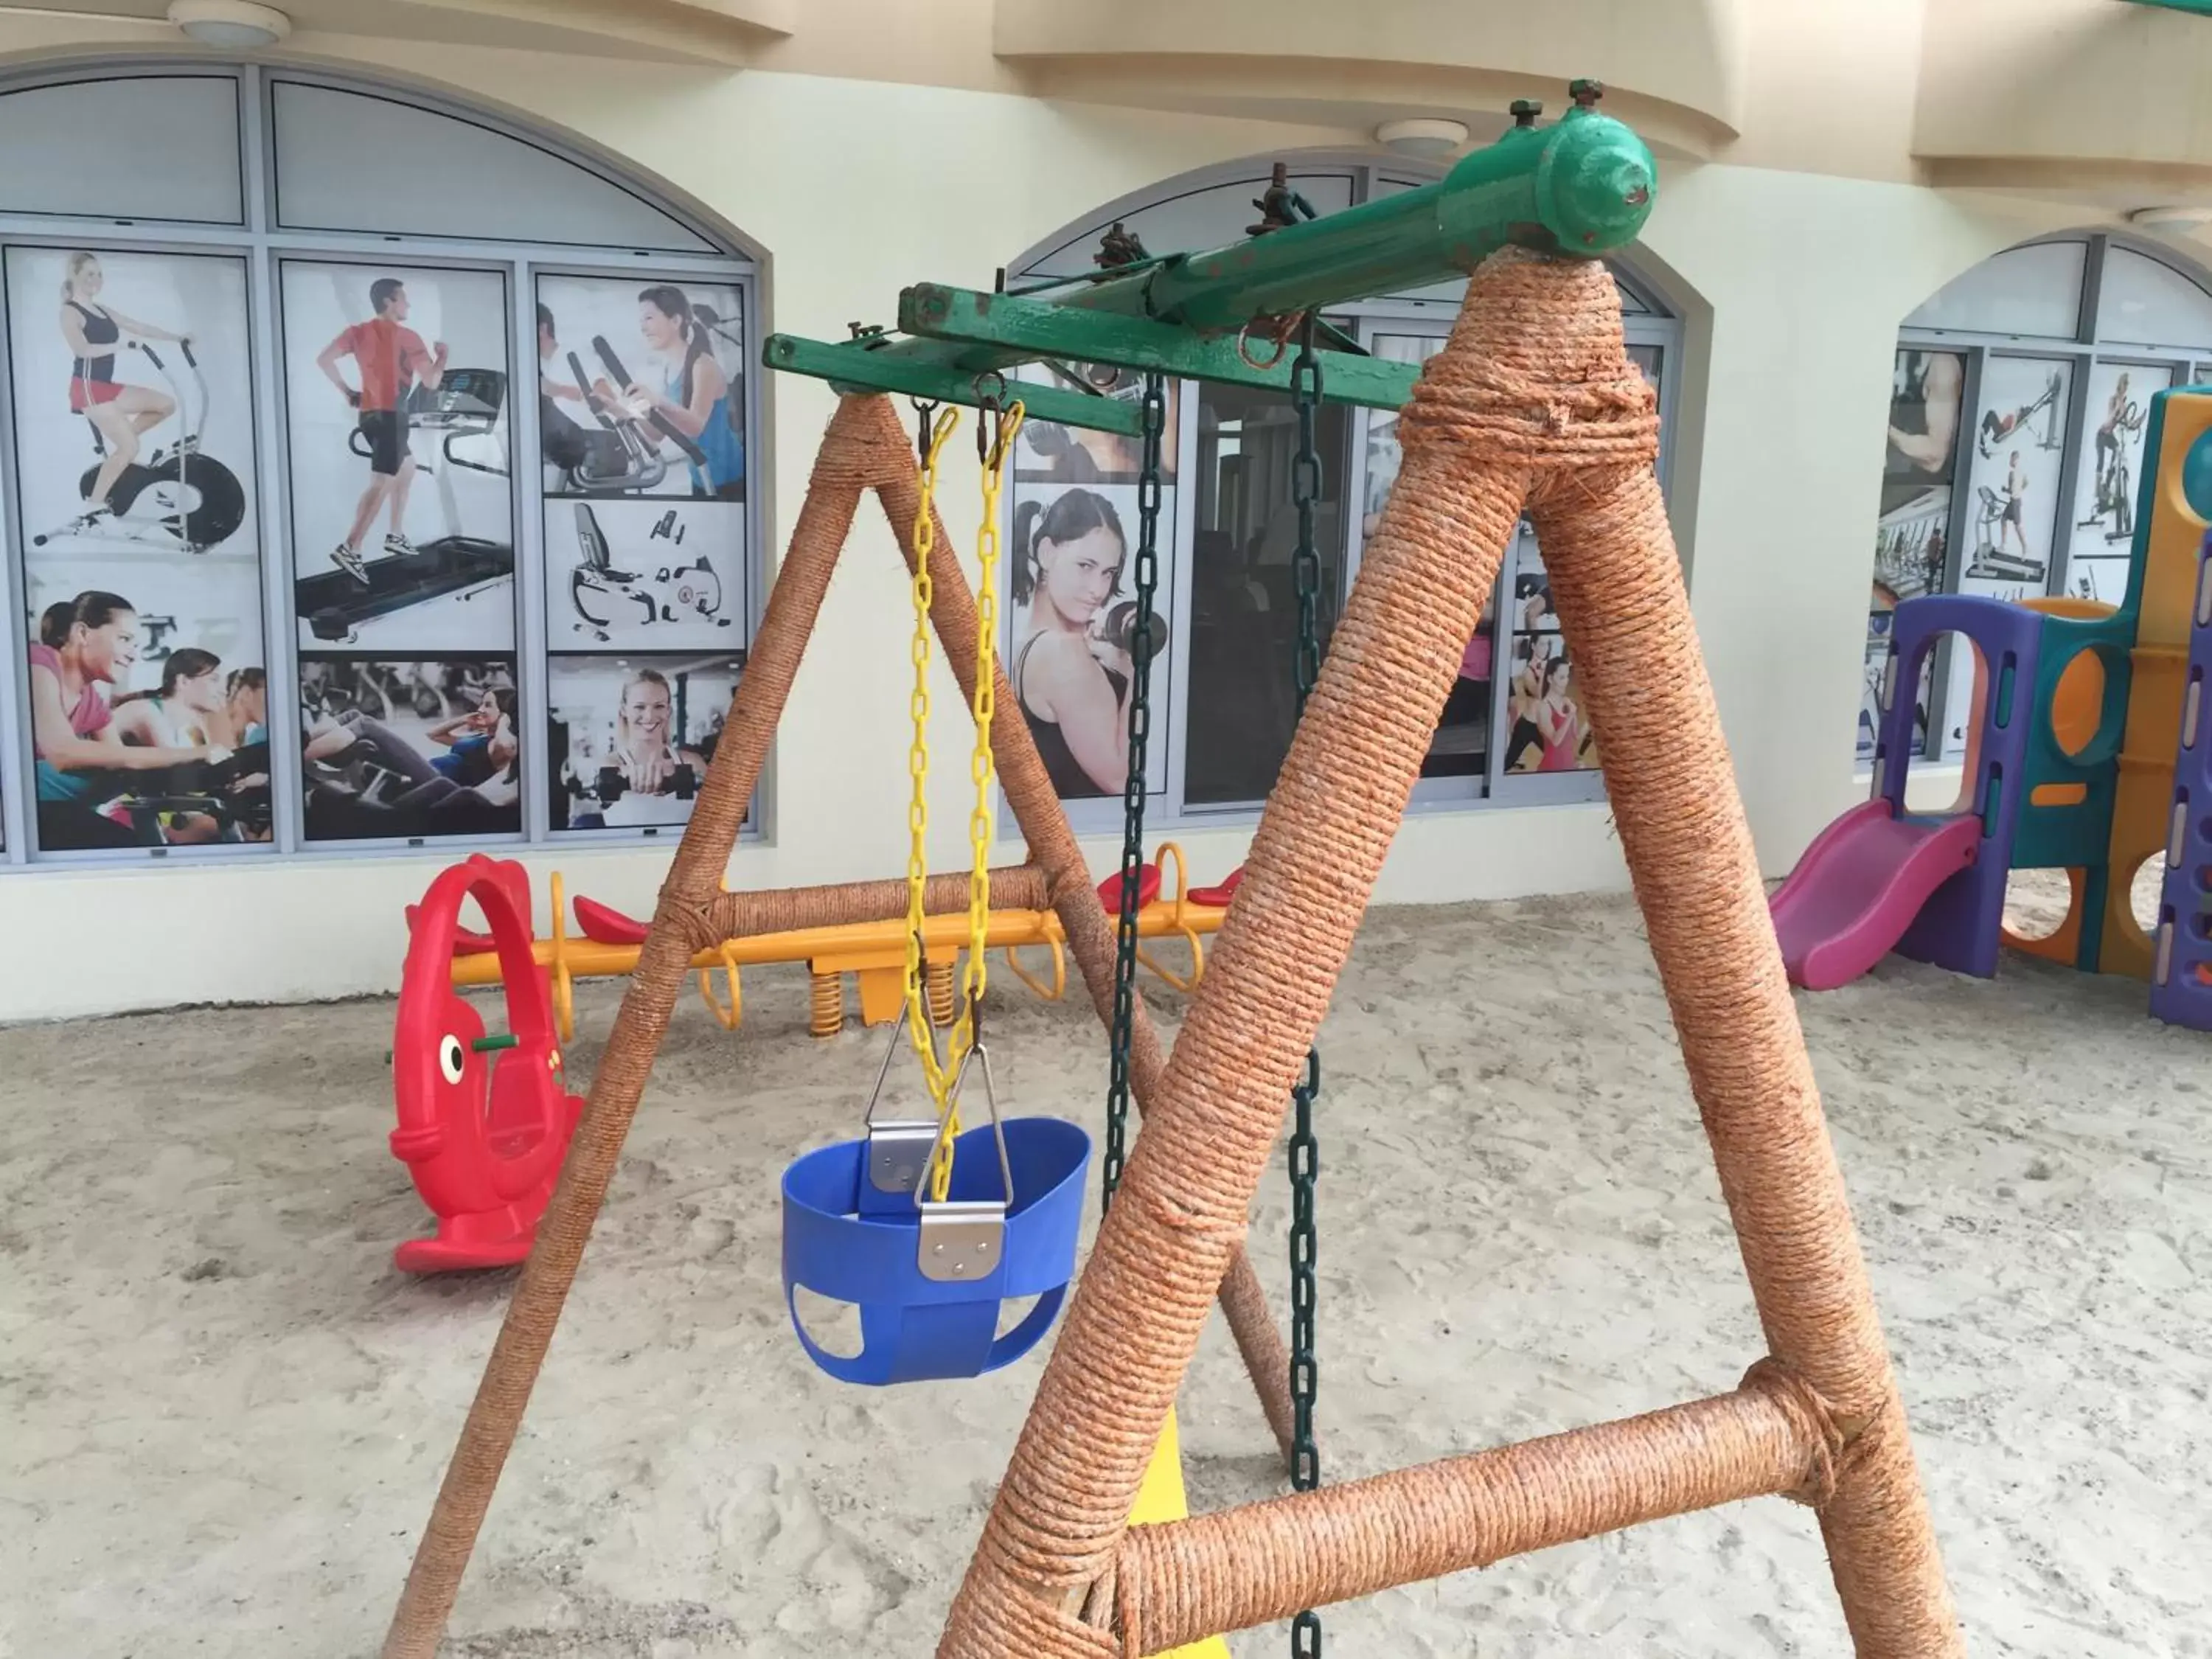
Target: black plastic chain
[1305,1150]
[1133,789]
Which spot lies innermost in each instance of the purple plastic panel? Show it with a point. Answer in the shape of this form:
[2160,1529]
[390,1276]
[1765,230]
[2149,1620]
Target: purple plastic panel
[2183,942]
[1958,927]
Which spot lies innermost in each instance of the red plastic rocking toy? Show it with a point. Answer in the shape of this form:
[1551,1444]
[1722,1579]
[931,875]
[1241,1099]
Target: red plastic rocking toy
[484,1120]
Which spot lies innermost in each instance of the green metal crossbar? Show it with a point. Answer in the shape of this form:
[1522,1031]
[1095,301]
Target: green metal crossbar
[1583,186]
[1023,329]
[868,365]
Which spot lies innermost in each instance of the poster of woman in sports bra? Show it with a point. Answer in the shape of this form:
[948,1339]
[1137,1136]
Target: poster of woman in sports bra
[140,549]
[133,402]
[1072,622]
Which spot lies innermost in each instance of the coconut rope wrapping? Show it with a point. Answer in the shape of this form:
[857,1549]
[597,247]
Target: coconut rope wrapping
[851,460]
[1534,389]
[1251,1565]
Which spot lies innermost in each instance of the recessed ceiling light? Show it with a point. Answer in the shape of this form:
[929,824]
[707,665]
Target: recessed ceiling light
[230,25]
[1422,135]
[2181,217]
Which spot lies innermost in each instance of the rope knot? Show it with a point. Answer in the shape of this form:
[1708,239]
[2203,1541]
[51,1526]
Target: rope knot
[1811,1413]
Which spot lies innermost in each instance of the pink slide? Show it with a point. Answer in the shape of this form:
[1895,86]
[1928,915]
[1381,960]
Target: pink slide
[1859,886]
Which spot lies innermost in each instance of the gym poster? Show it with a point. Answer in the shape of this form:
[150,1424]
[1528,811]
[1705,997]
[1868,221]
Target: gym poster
[410,747]
[2107,476]
[632,737]
[1927,398]
[1068,590]
[134,453]
[402,498]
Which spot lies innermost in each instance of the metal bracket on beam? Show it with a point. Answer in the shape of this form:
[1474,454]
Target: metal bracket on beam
[1030,328]
[868,365]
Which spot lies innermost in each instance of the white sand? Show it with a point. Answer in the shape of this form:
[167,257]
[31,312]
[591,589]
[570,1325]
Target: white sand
[226,1413]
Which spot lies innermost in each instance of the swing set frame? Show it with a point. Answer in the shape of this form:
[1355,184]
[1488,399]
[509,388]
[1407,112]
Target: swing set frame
[1532,405]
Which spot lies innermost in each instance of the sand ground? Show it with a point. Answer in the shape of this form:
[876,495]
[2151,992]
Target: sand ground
[227,1413]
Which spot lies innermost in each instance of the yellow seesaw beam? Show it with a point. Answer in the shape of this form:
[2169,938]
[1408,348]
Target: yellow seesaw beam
[874,951]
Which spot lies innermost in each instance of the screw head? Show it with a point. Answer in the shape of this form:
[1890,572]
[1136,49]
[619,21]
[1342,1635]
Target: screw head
[937,1249]
[1525,111]
[1585,93]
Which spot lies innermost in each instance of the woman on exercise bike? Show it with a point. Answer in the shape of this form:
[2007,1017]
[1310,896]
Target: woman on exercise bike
[695,399]
[83,645]
[190,709]
[118,411]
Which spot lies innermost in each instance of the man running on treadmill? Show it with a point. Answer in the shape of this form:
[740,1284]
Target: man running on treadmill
[392,361]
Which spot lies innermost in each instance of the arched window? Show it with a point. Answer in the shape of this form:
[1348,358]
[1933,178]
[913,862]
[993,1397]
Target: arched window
[376,474]
[2015,437]
[1222,698]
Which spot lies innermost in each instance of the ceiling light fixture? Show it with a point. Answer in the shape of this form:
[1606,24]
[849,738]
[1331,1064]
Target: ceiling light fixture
[2181,217]
[229,25]
[1423,136]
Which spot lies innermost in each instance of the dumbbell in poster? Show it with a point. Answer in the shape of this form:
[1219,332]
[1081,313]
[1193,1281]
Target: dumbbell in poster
[1069,596]
[133,419]
[642,408]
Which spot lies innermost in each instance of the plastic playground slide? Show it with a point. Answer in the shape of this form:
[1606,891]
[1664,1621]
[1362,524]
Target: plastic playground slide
[1858,887]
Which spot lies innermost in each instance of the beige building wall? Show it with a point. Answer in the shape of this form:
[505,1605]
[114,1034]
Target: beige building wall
[1792,274]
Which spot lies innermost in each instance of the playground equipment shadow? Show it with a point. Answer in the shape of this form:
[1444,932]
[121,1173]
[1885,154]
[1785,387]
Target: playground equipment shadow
[228,1412]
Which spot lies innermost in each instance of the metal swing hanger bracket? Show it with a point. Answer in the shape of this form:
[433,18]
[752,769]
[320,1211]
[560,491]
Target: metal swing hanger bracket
[1580,187]
[963,1240]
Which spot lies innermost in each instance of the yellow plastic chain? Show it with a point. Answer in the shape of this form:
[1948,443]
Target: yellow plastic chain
[941,1072]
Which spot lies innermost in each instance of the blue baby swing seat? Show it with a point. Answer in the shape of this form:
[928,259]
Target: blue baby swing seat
[928,1276]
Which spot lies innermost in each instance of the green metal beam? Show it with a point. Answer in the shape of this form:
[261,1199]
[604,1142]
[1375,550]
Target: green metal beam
[868,365]
[1039,329]
[1582,187]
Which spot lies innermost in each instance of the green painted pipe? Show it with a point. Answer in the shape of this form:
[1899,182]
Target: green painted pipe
[1584,185]
[484,1045]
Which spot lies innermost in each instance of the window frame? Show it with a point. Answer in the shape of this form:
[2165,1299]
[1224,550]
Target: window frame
[2085,351]
[263,248]
[1170,809]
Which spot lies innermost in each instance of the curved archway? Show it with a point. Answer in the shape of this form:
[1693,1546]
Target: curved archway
[1228,585]
[2020,393]
[424,437]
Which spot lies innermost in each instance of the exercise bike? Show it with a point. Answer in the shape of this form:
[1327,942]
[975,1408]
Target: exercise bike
[198,503]
[622,454]
[2116,482]
[683,592]
[465,404]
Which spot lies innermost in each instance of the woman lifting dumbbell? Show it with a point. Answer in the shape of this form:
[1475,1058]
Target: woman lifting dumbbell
[1072,669]
[648,776]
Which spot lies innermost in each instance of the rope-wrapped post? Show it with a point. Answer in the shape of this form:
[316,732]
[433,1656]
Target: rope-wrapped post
[1042,1582]
[1617,585]
[1089,935]
[849,462]
[746,914]
[1181,1581]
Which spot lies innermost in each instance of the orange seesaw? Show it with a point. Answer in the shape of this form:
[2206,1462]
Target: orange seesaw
[607,942]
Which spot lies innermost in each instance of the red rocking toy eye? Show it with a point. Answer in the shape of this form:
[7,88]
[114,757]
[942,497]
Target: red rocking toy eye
[452,1055]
